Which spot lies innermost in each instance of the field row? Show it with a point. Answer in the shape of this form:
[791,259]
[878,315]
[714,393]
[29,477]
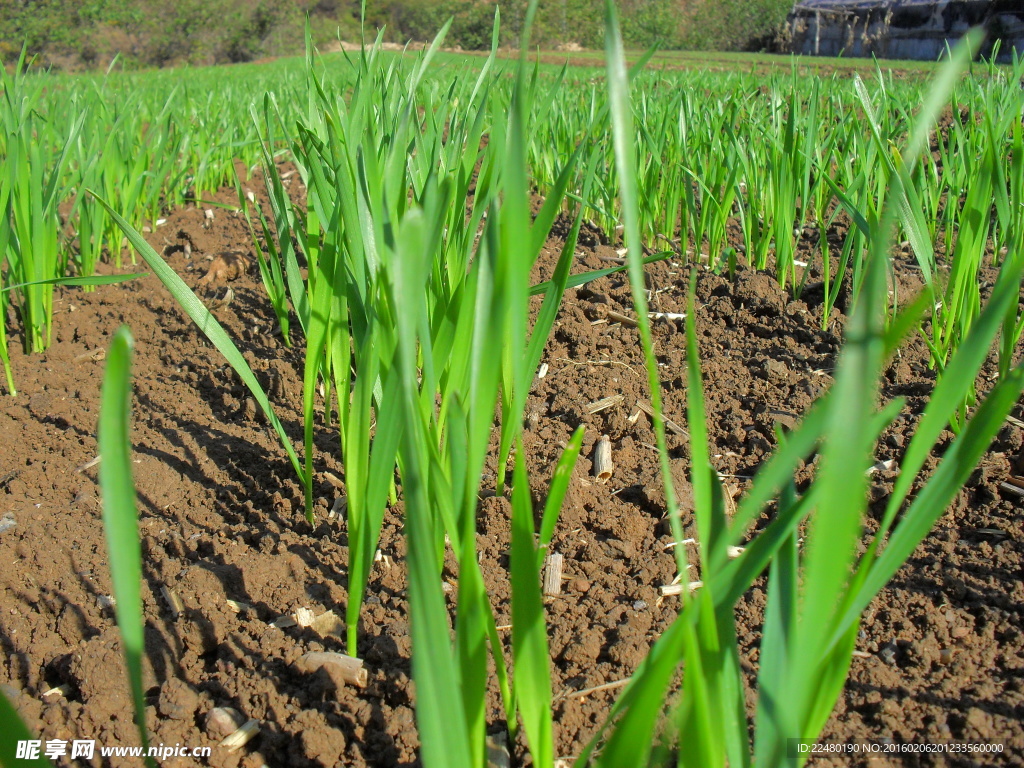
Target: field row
[404,276]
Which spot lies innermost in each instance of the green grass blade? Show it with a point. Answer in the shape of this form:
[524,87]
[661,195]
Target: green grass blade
[120,515]
[775,721]
[317,327]
[12,732]
[557,489]
[711,524]
[208,324]
[623,137]
[698,707]
[636,712]
[953,386]
[546,316]
[833,531]
[475,616]
[556,286]
[531,675]
[439,709]
[367,507]
[931,502]
[79,281]
[575,281]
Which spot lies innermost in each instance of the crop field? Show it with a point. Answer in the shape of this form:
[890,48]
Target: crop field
[421,408]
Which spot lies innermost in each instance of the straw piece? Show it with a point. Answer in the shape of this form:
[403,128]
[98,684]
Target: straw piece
[96,354]
[304,617]
[340,507]
[604,403]
[88,465]
[242,736]
[1014,480]
[61,691]
[497,750]
[883,466]
[596,689]
[618,317]
[177,607]
[677,589]
[603,466]
[239,607]
[553,574]
[227,265]
[329,623]
[351,669]
[672,544]
[1010,488]
[225,300]
[670,425]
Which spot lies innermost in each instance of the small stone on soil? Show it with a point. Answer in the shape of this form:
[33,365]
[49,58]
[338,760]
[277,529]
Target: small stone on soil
[222,721]
[177,700]
[888,653]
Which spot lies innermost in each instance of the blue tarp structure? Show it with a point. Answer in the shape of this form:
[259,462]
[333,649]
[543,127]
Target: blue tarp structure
[901,29]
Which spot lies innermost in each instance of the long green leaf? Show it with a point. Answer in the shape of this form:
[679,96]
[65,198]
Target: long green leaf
[94,280]
[14,734]
[208,324]
[120,516]
[532,678]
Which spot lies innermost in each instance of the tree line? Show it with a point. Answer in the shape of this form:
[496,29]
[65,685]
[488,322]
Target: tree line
[77,34]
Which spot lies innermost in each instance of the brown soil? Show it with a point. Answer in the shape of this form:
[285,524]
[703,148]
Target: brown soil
[942,655]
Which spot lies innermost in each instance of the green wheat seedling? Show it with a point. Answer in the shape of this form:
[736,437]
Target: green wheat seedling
[87,282]
[445,332]
[120,524]
[5,354]
[29,198]
[441,488]
[120,517]
[210,327]
[142,142]
[269,262]
[14,730]
[407,271]
[814,604]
